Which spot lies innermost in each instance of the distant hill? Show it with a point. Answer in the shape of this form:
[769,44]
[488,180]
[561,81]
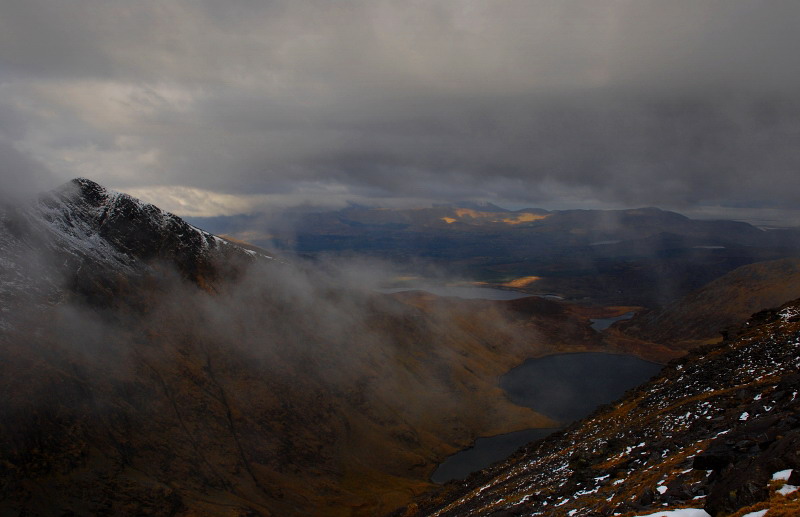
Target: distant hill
[702,314]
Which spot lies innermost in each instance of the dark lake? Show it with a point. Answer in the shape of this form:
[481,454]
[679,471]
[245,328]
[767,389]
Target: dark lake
[565,387]
[603,323]
[486,451]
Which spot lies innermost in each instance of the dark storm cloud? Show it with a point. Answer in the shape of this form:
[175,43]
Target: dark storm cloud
[547,102]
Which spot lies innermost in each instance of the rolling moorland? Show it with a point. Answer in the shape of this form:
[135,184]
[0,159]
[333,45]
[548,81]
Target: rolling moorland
[149,367]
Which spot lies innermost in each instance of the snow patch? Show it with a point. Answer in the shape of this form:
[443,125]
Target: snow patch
[782,475]
[682,512]
[759,513]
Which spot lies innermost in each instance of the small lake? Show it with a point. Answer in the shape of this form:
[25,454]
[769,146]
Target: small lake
[486,451]
[603,323]
[564,387]
[567,387]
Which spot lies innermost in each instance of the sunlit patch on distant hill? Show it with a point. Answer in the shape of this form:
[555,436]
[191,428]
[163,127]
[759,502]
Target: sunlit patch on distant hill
[525,217]
[523,281]
[475,216]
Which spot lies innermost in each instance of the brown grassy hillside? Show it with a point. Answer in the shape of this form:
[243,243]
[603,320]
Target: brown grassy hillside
[254,395]
[700,316]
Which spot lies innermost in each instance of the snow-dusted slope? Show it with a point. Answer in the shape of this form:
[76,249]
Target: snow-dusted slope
[89,220]
[707,434]
[82,231]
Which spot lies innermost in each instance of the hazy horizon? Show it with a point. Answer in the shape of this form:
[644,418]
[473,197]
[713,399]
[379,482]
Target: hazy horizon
[209,110]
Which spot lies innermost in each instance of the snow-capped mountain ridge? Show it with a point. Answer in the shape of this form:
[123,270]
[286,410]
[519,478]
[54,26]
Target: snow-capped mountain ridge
[91,217]
[82,233]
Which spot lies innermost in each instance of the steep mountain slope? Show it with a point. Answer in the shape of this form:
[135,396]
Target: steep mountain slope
[710,433]
[699,316]
[148,367]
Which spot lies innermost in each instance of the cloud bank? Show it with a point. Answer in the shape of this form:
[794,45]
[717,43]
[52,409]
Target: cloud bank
[235,107]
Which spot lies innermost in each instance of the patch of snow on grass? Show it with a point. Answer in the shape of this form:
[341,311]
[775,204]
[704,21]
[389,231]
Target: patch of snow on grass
[759,513]
[682,512]
[783,475]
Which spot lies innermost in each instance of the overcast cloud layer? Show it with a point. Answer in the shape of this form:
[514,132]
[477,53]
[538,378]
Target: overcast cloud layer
[211,108]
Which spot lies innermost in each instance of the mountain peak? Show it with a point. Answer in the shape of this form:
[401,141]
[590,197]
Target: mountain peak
[87,188]
[83,222]
[86,182]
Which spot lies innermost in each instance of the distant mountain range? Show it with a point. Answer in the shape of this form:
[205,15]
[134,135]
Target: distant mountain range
[644,256]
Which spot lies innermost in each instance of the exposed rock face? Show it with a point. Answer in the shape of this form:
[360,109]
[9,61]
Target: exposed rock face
[708,433]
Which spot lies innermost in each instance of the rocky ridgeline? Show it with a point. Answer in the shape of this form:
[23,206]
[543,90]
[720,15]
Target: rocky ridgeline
[709,433]
[88,219]
[84,238]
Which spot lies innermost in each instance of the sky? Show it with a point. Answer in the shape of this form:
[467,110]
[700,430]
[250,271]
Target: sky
[211,108]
